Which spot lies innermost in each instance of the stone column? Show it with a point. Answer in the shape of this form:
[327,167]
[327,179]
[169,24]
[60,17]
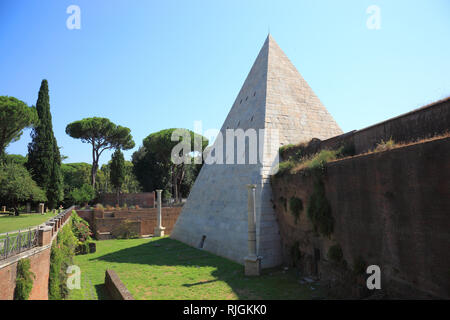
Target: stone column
[44,235]
[252,261]
[28,207]
[4,208]
[41,208]
[159,230]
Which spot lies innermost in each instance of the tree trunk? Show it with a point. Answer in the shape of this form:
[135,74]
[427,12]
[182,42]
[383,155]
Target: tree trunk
[180,177]
[174,184]
[94,164]
[93,173]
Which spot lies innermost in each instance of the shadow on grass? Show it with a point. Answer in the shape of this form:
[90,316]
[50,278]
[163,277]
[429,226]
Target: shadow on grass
[272,284]
[198,283]
[101,292]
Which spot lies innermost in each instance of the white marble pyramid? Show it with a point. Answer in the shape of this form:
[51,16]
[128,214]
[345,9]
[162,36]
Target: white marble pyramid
[276,98]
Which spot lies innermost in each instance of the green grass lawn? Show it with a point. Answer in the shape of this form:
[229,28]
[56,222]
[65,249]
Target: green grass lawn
[24,220]
[162,268]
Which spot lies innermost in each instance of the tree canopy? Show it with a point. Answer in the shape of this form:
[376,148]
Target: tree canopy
[130,183]
[82,195]
[15,158]
[153,163]
[17,186]
[102,134]
[15,115]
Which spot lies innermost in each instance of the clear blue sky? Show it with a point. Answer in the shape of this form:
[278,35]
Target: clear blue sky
[151,65]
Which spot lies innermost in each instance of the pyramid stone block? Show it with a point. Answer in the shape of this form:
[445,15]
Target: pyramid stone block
[275,98]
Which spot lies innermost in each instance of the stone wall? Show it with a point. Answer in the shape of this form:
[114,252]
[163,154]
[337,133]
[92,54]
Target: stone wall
[39,263]
[115,288]
[389,208]
[143,199]
[144,219]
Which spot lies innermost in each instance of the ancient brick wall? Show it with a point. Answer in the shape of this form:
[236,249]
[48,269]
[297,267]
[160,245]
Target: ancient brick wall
[87,215]
[146,218]
[143,199]
[39,265]
[390,208]
[424,122]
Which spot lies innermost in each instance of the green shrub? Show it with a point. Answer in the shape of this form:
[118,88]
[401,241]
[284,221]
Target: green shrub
[319,210]
[61,256]
[285,167]
[81,231]
[346,150]
[82,195]
[24,280]
[125,231]
[385,145]
[80,228]
[296,206]
[319,160]
[335,253]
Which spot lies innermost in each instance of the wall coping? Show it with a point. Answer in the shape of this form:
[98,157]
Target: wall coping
[8,261]
[112,279]
[31,252]
[420,109]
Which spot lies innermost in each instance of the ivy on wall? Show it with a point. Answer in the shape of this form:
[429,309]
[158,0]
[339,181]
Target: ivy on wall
[61,257]
[319,210]
[296,206]
[24,280]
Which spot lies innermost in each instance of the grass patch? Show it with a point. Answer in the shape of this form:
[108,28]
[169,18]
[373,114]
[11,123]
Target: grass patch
[162,268]
[285,167]
[23,221]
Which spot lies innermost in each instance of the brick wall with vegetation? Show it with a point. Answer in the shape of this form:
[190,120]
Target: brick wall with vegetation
[340,213]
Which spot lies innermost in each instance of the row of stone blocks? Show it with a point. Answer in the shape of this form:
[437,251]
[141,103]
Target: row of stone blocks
[51,227]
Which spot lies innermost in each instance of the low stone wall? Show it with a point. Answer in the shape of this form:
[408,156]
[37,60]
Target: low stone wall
[390,208]
[115,288]
[143,199]
[143,221]
[39,263]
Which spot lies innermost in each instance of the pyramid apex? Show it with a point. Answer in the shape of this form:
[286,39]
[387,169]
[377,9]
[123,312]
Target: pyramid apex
[269,37]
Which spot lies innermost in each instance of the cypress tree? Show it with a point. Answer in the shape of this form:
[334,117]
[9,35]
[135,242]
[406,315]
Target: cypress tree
[55,191]
[44,161]
[117,171]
